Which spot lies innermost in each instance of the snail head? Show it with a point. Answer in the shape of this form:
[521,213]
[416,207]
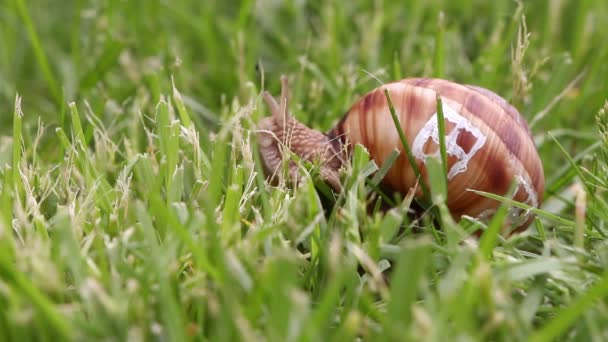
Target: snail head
[281,133]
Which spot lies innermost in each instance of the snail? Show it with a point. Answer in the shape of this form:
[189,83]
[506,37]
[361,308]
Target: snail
[488,143]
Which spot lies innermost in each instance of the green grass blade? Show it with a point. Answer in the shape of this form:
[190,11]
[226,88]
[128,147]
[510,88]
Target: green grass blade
[441,128]
[54,321]
[534,210]
[168,135]
[384,168]
[77,127]
[17,143]
[168,218]
[409,274]
[170,313]
[568,315]
[438,62]
[181,107]
[405,144]
[437,179]
[41,56]
[490,235]
[573,164]
[230,214]
[108,59]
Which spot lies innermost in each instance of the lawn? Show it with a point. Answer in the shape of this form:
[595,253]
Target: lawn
[134,206]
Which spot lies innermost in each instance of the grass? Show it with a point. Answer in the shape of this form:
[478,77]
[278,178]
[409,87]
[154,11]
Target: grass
[133,205]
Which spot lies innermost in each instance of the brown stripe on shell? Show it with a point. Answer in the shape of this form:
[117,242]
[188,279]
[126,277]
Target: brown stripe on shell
[419,82]
[368,111]
[338,130]
[366,106]
[488,171]
[480,106]
[513,141]
[503,104]
[497,174]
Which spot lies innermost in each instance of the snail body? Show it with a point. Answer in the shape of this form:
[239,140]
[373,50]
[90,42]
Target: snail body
[488,143]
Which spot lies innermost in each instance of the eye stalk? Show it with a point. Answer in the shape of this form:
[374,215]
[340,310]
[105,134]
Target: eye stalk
[281,132]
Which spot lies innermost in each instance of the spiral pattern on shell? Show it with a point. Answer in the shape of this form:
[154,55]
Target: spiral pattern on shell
[489,144]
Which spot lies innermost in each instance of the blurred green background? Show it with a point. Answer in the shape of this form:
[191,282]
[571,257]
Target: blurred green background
[108,52]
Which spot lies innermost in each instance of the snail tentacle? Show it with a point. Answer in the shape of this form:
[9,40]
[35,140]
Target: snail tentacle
[281,132]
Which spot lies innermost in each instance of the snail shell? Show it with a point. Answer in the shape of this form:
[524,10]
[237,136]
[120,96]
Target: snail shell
[489,144]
